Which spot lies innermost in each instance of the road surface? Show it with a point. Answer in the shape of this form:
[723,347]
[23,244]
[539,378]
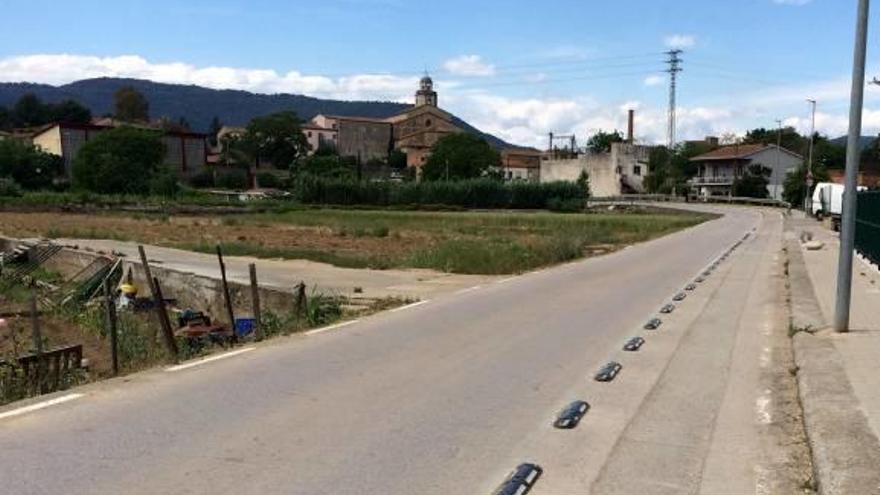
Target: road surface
[448,396]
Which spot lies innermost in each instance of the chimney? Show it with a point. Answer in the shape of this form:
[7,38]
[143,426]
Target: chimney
[630,126]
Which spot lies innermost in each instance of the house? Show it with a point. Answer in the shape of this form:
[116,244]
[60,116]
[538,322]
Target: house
[185,152]
[718,169]
[521,164]
[618,171]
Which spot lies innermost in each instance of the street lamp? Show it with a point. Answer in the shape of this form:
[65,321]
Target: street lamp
[809,175]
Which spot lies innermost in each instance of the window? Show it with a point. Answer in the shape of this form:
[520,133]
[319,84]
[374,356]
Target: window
[637,170]
[310,133]
[427,122]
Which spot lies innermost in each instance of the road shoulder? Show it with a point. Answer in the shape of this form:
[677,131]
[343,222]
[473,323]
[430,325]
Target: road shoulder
[845,450]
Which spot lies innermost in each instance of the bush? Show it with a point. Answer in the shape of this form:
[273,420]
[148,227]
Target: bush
[9,188]
[119,161]
[474,193]
[268,179]
[202,180]
[232,179]
[27,165]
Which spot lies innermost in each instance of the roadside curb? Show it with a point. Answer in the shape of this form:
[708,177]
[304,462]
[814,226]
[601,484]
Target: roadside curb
[845,450]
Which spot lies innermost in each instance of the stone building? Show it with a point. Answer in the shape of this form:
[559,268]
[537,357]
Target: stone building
[414,131]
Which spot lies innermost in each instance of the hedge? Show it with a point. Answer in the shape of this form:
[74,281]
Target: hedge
[475,193]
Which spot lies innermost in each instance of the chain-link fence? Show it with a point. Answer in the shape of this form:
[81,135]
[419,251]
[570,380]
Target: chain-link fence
[868,225]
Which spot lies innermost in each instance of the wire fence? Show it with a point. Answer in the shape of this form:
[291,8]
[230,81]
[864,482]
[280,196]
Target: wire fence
[868,225]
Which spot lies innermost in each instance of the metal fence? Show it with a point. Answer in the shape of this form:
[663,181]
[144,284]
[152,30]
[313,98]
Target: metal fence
[868,225]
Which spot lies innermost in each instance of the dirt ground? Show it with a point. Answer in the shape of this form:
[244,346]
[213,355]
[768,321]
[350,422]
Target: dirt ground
[18,338]
[187,230]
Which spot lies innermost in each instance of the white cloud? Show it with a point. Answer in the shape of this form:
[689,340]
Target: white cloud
[469,65]
[521,120]
[655,80]
[680,41]
[64,68]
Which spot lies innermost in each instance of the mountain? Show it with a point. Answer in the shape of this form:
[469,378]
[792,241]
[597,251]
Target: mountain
[864,142]
[198,105]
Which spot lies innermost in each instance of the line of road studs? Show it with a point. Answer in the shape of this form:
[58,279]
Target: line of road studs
[523,478]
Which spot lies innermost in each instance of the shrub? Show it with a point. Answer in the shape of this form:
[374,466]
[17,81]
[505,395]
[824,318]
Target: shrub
[202,179]
[232,179]
[474,193]
[9,188]
[119,161]
[268,179]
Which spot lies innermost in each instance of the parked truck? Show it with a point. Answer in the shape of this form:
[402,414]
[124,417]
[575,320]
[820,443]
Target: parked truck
[828,202]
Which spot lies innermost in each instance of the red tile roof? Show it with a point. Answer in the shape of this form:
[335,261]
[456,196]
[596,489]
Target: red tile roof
[738,152]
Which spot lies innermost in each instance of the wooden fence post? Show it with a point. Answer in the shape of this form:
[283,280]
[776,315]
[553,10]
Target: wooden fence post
[226,297]
[149,276]
[255,301]
[162,314]
[37,341]
[111,327]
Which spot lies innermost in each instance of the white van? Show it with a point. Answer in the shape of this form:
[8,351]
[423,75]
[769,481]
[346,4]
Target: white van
[828,202]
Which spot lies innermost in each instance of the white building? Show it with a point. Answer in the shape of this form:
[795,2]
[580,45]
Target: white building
[718,169]
[620,171]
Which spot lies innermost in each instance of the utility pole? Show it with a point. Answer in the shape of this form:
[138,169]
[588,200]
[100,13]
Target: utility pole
[848,219]
[674,68]
[809,175]
[778,154]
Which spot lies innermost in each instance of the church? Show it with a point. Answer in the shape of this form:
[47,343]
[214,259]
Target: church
[414,131]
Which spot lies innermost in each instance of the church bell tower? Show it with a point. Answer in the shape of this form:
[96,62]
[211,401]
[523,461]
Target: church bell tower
[426,94]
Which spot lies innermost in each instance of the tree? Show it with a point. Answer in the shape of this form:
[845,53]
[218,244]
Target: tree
[213,130]
[27,165]
[460,156]
[29,111]
[601,141]
[120,160]
[5,118]
[276,138]
[752,183]
[583,181]
[397,160]
[131,105]
[794,189]
[68,111]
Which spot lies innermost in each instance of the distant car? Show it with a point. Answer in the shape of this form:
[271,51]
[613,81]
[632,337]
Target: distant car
[608,372]
[634,344]
[653,324]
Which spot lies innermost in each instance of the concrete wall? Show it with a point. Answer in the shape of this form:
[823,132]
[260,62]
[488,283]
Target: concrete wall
[625,163]
[191,291]
[604,180]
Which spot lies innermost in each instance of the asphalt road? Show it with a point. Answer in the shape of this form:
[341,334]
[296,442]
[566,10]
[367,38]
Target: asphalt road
[440,398]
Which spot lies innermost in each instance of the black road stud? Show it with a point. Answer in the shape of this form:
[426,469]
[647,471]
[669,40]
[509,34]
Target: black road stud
[653,324]
[608,372]
[679,297]
[690,287]
[634,344]
[520,480]
[669,308]
[569,417]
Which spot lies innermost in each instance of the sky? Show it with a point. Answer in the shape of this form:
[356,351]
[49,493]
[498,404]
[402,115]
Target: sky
[517,69]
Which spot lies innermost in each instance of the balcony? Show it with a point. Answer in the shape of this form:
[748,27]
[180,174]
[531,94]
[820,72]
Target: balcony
[719,180]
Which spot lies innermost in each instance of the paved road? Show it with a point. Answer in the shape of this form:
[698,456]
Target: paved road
[447,396]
